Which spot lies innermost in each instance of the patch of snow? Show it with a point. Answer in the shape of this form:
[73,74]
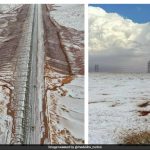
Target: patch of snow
[77,83]
[65,107]
[5,8]
[69,15]
[5,120]
[74,103]
[114,109]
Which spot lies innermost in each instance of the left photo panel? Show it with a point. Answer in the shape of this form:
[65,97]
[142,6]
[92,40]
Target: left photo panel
[41,74]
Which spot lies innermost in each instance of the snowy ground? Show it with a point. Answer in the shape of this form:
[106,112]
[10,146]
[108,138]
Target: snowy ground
[65,108]
[74,104]
[64,93]
[5,120]
[118,104]
[69,15]
[6,70]
[4,8]
[64,102]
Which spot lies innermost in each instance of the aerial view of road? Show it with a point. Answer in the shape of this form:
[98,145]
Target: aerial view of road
[41,67]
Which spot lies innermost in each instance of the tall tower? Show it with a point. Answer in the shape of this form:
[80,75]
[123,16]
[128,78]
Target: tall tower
[149,67]
[96,68]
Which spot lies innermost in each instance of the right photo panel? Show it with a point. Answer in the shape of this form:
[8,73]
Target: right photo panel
[119,73]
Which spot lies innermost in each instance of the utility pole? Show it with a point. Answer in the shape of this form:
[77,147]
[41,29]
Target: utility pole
[148,67]
[96,68]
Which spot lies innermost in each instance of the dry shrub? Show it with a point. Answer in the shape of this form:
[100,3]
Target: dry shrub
[137,138]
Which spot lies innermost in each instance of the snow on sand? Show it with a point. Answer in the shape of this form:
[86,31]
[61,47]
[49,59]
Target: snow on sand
[64,96]
[65,107]
[118,104]
[70,15]
[5,120]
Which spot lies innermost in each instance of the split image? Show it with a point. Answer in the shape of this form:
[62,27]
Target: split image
[42,74]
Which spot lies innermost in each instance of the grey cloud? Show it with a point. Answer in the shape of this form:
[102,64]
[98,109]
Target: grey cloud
[117,44]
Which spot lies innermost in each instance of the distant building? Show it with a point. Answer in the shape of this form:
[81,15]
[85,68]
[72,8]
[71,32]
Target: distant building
[149,67]
[96,68]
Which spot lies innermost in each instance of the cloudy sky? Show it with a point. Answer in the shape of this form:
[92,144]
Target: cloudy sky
[119,37]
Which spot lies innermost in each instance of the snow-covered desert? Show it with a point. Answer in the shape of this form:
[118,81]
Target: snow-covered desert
[41,74]
[119,106]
